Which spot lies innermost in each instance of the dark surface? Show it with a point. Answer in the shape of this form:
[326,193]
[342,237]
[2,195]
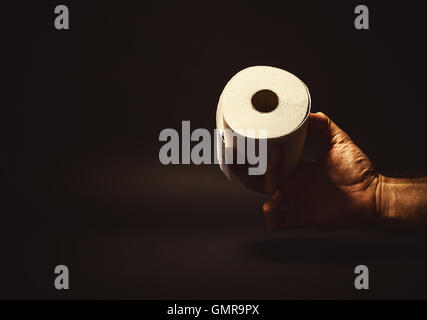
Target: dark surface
[82,184]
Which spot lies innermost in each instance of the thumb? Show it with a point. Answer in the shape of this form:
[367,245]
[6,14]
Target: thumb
[320,125]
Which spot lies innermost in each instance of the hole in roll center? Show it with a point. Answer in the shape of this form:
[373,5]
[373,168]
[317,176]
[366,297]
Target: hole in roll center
[265,100]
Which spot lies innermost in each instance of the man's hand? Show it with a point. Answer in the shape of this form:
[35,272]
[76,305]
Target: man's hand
[337,189]
[341,188]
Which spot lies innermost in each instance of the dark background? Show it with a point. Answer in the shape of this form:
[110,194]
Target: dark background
[82,184]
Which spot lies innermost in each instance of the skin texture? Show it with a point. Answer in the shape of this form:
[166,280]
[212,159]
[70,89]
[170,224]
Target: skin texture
[336,189]
[341,188]
[403,199]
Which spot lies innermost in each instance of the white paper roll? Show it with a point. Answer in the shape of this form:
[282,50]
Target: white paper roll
[263,97]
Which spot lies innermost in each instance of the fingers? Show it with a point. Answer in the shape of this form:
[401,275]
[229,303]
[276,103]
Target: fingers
[271,210]
[266,183]
[277,212]
[323,127]
[278,218]
[291,205]
[273,205]
[285,218]
[272,175]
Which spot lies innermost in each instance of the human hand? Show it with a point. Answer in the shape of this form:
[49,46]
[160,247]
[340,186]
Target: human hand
[337,189]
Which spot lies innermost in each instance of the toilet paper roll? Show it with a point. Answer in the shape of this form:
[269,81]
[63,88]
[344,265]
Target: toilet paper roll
[263,97]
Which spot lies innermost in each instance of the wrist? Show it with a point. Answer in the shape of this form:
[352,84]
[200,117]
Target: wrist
[401,198]
[388,197]
[379,197]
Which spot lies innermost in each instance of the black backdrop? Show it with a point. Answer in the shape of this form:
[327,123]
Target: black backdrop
[81,114]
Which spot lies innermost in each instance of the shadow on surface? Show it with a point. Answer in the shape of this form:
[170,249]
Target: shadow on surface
[334,250]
